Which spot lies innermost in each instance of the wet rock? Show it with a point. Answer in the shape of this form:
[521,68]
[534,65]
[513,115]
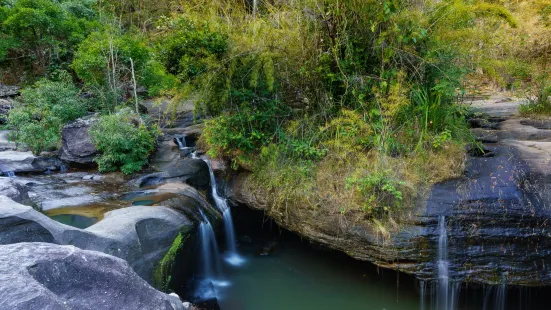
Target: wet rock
[77,145]
[48,276]
[202,294]
[191,171]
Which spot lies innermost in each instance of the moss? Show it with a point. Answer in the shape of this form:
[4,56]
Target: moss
[162,274]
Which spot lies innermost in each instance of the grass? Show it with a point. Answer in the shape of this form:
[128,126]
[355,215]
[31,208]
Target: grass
[298,192]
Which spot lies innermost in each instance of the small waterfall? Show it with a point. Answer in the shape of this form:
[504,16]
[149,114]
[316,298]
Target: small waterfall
[181,142]
[210,255]
[221,203]
[495,297]
[447,293]
[422,292]
[9,174]
[63,168]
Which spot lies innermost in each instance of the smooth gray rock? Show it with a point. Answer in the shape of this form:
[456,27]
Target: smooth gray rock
[77,145]
[189,170]
[12,189]
[27,162]
[140,235]
[48,276]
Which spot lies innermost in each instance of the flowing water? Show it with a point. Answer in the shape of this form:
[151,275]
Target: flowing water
[283,271]
[181,142]
[210,255]
[231,256]
[9,174]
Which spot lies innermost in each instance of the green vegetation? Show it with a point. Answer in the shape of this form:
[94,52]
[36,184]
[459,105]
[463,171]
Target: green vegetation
[43,109]
[124,140]
[162,273]
[38,37]
[335,107]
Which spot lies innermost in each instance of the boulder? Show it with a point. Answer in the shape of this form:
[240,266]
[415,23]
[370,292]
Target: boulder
[140,235]
[27,162]
[192,171]
[77,144]
[15,161]
[49,276]
[166,155]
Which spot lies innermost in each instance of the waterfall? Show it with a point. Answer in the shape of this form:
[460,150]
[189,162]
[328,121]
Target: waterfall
[495,297]
[221,203]
[210,255]
[422,289]
[63,168]
[181,142]
[9,174]
[447,293]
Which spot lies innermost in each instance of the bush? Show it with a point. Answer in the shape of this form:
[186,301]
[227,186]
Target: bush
[43,109]
[41,34]
[125,142]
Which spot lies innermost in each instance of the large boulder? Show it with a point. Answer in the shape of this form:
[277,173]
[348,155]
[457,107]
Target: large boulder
[77,144]
[140,235]
[27,162]
[48,276]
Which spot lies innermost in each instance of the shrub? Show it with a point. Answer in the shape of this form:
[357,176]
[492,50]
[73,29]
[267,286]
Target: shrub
[41,34]
[125,142]
[43,109]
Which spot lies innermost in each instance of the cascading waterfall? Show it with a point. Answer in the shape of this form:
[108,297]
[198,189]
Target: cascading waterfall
[9,174]
[210,255]
[221,203]
[181,142]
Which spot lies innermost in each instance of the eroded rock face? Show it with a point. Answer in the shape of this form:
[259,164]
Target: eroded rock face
[49,276]
[140,235]
[496,217]
[77,145]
